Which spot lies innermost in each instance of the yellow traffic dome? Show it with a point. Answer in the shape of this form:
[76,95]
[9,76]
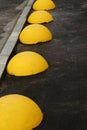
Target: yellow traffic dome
[18,112]
[26,63]
[35,33]
[43,5]
[40,16]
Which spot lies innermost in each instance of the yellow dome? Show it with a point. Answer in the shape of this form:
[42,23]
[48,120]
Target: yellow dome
[43,5]
[26,63]
[18,112]
[35,33]
[40,16]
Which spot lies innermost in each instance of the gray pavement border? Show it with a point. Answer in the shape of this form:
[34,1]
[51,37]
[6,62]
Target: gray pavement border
[12,40]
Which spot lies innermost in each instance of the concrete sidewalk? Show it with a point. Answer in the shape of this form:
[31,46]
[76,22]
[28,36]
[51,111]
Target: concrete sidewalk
[10,39]
[9,12]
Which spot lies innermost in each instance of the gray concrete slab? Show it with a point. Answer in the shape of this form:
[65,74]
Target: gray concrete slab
[13,37]
[9,13]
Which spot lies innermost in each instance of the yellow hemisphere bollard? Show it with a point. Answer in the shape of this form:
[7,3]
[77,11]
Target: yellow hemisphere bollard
[18,112]
[35,33]
[43,5]
[26,63]
[40,16]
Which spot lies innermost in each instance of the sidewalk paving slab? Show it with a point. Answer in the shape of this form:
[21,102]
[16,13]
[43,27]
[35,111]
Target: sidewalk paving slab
[12,40]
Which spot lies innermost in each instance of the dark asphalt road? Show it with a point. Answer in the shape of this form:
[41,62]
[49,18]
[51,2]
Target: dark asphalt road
[61,91]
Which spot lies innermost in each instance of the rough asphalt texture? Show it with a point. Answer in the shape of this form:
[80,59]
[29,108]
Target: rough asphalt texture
[61,91]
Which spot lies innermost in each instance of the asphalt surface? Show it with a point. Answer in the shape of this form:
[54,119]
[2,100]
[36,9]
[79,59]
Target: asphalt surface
[61,91]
